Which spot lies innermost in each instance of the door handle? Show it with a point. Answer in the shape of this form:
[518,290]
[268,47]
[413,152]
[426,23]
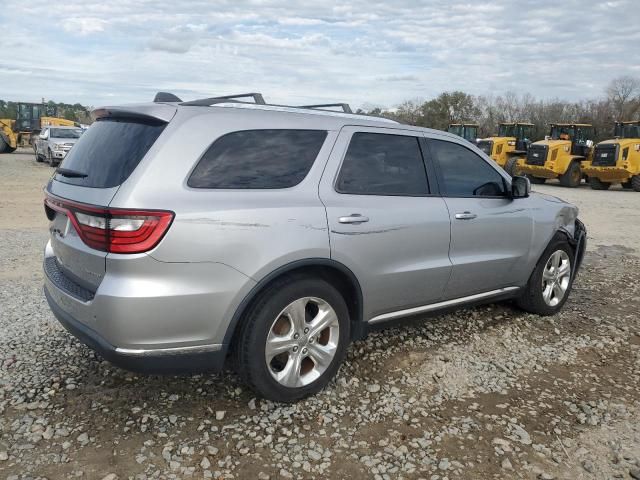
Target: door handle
[354,218]
[465,216]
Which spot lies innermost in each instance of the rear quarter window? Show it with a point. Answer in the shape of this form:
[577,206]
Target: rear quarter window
[258,159]
[109,151]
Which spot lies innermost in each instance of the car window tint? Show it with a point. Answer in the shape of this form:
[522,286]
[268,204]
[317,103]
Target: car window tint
[463,172]
[109,151]
[258,159]
[383,164]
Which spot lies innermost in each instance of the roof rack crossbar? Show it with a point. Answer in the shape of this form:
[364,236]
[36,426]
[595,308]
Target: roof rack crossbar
[345,106]
[257,98]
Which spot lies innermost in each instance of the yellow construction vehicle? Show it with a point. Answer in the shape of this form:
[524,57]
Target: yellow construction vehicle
[31,118]
[617,160]
[511,143]
[8,138]
[563,154]
[468,131]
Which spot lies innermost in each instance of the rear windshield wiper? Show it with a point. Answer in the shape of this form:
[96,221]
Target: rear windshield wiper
[67,172]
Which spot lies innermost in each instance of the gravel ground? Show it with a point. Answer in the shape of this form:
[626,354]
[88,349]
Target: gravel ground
[484,393]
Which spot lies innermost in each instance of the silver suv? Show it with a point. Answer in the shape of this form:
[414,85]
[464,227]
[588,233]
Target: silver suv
[190,235]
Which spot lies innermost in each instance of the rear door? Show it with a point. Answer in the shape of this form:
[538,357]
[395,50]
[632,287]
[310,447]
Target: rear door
[385,223]
[91,173]
[490,233]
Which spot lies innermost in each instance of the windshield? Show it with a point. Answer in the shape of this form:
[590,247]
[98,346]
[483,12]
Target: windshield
[523,132]
[630,131]
[470,133]
[507,131]
[65,132]
[455,129]
[562,132]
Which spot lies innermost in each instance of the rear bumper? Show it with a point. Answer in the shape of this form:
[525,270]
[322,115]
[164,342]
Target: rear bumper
[150,316]
[172,360]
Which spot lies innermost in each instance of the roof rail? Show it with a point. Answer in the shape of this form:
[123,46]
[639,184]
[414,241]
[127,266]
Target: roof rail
[345,106]
[165,97]
[205,102]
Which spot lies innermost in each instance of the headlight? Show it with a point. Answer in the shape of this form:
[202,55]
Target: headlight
[511,143]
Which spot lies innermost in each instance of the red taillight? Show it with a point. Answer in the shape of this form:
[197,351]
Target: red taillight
[114,230]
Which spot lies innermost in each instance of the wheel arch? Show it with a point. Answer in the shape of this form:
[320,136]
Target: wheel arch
[338,275]
[576,240]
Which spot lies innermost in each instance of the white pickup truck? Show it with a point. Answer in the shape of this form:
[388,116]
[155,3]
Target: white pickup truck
[53,143]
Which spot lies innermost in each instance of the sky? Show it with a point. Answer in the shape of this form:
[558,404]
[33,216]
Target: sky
[363,52]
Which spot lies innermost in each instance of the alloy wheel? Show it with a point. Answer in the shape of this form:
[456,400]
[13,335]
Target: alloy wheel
[556,278]
[302,342]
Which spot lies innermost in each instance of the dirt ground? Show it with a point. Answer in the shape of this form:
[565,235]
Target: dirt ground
[483,393]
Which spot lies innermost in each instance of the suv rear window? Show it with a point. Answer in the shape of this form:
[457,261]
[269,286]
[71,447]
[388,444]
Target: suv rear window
[109,151]
[258,159]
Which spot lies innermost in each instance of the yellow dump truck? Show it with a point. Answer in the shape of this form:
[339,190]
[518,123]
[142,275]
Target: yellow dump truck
[31,118]
[617,160]
[564,154]
[511,143]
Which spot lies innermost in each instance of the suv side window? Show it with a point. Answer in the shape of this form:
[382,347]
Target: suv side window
[464,173]
[258,159]
[383,164]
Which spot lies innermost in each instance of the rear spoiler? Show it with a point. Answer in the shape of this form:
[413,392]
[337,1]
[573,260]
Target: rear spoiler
[149,112]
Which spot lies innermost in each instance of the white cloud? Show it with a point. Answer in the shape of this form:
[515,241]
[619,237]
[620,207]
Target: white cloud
[84,25]
[296,52]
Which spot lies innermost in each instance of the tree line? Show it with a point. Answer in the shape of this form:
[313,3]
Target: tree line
[620,101]
[75,112]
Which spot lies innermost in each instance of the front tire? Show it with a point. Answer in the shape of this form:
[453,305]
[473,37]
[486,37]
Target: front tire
[293,339]
[635,183]
[511,166]
[551,281]
[598,184]
[50,159]
[572,177]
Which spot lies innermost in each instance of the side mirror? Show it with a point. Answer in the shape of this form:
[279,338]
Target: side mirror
[520,187]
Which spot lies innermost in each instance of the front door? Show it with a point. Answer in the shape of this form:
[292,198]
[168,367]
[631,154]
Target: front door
[385,225]
[41,142]
[490,232]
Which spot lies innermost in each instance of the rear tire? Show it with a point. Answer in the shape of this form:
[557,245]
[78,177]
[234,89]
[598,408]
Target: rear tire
[304,363]
[572,177]
[549,280]
[3,145]
[511,167]
[536,180]
[635,183]
[598,184]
